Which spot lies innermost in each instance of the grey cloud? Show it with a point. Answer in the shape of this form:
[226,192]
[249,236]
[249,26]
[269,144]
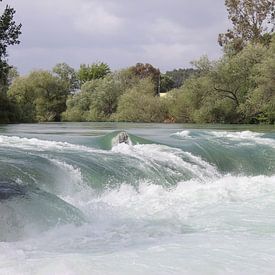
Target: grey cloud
[119,32]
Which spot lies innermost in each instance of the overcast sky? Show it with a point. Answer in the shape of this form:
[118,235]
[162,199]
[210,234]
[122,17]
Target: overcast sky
[167,34]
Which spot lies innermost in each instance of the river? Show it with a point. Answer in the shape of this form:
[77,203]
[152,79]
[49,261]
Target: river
[176,199]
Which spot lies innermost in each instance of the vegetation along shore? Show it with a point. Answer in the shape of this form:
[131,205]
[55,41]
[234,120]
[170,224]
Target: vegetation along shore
[237,88]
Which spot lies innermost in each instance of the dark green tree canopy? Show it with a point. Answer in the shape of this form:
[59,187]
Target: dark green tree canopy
[9,34]
[9,31]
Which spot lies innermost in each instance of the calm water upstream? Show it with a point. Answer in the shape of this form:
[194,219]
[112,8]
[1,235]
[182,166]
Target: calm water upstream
[178,199]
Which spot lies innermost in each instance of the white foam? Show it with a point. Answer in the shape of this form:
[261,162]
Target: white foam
[74,173]
[73,188]
[154,154]
[183,134]
[42,145]
[145,230]
[245,137]
[187,197]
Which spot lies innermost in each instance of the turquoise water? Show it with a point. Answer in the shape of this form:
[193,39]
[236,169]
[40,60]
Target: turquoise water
[178,199]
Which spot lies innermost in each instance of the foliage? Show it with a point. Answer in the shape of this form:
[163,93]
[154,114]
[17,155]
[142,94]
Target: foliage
[232,76]
[94,71]
[68,75]
[104,99]
[126,78]
[9,34]
[97,100]
[238,88]
[175,78]
[143,71]
[221,90]
[203,65]
[40,96]
[260,104]
[77,107]
[8,110]
[253,21]
[140,105]
[166,83]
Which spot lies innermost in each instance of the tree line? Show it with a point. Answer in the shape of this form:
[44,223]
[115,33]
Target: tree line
[237,88]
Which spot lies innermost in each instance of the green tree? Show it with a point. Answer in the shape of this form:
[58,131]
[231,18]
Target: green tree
[104,98]
[68,75]
[9,34]
[8,110]
[166,83]
[232,76]
[12,75]
[260,104]
[22,92]
[178,77]
[78,106]
[143,71]
[97,100]
[39,96]
[203,65]
[253,21]
[94,71]
[126,78]
[140,105]
[191,97]
[219,91]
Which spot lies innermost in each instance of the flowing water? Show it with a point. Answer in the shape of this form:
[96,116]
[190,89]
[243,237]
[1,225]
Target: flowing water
[178,199]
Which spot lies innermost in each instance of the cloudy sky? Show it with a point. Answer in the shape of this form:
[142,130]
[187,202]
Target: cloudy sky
[167,34]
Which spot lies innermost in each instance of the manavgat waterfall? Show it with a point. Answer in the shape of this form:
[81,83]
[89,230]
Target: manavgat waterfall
[80,198]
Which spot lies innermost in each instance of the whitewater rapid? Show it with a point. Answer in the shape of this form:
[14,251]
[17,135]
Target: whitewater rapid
[199,202]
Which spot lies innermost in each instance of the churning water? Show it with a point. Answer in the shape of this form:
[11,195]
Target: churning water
[172,200]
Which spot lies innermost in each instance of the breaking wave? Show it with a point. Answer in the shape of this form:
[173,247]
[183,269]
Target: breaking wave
[75,209]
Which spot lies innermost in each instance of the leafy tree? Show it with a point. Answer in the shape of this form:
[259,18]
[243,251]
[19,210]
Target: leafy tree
[143,71]
[203,65]
[77,107]
[219,92]
[126,78]
[40,96]
[97,100]
[140,105]
[260,104]
[68,75]
[9,34]
[253,21]
[12,75]
[94,71]
[193,95]
[177,78]
[22,92]
[232,76]
[8,110]
[195,102]
[166,83]
[176,107]
[104,98]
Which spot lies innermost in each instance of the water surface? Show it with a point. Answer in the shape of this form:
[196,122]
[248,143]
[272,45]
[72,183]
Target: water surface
[179,199]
